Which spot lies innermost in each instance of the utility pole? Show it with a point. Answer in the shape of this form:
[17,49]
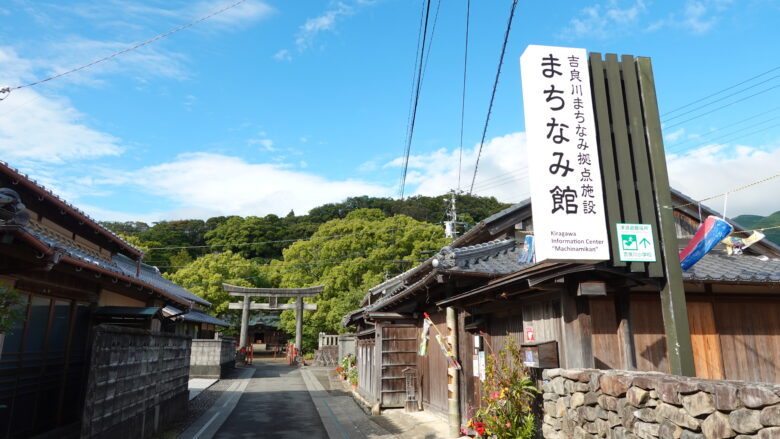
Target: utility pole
[451,226]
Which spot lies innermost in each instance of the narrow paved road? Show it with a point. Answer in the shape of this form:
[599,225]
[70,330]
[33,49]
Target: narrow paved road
[275,404]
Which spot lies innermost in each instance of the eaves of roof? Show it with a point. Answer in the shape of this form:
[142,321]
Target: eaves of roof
[49,247]
[47,194]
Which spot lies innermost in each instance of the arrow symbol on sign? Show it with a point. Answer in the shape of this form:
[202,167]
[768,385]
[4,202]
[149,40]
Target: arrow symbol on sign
[644,242]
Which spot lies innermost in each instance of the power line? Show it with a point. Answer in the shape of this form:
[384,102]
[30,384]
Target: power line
[122,52]
[493,94]
[721,99]
[721,91]
[721,140]
[279,241]
[723,127]
[463,94]
[416,100]
[737,189]
[723,106]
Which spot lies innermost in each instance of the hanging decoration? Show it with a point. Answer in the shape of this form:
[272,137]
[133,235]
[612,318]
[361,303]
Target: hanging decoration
[736,245]
[442,343]
[527,255]
[424,337]
[710,233]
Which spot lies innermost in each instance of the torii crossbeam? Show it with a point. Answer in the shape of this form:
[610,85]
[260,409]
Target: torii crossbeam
[272,294]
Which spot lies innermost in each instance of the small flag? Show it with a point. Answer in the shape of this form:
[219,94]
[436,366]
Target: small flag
[710,233]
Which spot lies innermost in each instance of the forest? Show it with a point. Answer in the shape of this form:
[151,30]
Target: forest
[348,247]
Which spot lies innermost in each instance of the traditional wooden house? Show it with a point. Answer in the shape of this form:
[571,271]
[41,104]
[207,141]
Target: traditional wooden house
[597,315]
[71,273]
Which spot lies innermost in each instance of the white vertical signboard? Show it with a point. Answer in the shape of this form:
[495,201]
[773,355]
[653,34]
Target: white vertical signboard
[563,161]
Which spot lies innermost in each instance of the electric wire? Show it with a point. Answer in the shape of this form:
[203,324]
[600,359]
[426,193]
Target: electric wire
[675,146]
[722,141]
[493,94]
[721,99]
[723,106]
[124,51]
[730,191]
[279,241]
[463,93]
[719,92]
[408,146]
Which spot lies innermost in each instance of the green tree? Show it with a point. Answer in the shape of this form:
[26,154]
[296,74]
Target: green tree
[205,275]
[348,256]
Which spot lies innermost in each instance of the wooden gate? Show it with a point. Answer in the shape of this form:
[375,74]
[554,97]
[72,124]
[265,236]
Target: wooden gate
[434,365]
[399,351]
[367,371]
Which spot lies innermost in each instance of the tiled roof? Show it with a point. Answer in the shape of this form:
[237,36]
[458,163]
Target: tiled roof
[152,276]
[717,266]
[201,317]
[18,175]
[495,257]
[119,264]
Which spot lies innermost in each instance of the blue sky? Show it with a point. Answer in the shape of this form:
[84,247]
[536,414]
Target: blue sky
[276,105]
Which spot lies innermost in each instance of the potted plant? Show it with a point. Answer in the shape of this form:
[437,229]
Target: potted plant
[9,312]
[507,395]
[353,376]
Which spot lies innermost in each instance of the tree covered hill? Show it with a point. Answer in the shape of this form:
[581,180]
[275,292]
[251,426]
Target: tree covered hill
[249,236]
[759,222]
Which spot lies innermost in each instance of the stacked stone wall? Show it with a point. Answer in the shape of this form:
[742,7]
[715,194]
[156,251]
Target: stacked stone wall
[586,403]
[211,358]
[137,382]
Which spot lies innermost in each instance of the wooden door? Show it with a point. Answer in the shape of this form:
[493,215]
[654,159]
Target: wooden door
[434,378]
[399,351]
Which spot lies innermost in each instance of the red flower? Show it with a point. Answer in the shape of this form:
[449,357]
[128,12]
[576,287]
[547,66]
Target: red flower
[479,427]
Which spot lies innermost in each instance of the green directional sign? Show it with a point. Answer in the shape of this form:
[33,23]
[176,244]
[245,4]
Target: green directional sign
[636,242]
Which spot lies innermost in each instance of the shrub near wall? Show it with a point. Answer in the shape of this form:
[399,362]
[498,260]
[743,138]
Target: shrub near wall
[585,403]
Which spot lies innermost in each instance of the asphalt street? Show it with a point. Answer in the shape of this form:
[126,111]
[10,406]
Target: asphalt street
[275,404]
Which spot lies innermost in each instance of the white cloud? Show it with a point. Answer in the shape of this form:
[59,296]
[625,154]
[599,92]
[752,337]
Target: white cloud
[245,14]
[325,22]
[674,135]
[501,171]
[201,185]
[704,172]
[142,64]
[44,129]
[714,169]
[283,55]
[265,144]
[606,19]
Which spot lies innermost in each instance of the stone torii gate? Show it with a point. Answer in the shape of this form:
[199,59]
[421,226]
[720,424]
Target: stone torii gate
[273,294]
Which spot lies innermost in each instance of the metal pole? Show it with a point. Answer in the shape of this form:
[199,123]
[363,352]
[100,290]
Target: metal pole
[244,322]
[452,386]
[298,323]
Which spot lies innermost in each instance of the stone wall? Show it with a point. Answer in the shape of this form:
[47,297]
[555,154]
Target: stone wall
[585,403]
[137,382]
[210,358]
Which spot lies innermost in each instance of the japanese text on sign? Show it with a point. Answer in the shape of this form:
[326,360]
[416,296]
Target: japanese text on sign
[563,161]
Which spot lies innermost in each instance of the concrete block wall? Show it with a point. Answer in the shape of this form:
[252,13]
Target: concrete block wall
[210,358]
[586,403]
[137,382]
